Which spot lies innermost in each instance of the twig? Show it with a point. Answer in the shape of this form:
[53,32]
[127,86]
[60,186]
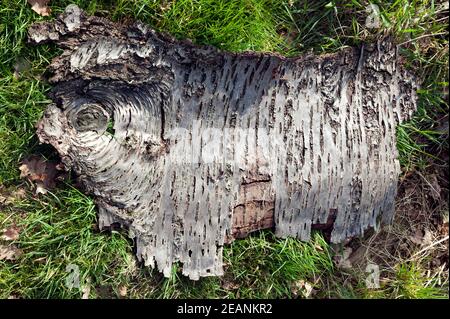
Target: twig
[430,246]
[429,184]
[421,37]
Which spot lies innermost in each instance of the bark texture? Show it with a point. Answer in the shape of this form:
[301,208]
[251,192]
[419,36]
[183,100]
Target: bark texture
[190,147]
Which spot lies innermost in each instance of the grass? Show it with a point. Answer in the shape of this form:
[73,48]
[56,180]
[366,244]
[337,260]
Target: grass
[58,229]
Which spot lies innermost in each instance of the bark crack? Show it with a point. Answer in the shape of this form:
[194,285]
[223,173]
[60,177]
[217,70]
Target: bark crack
[190,147]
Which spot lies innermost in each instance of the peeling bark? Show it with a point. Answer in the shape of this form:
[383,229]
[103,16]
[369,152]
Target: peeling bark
[190,147]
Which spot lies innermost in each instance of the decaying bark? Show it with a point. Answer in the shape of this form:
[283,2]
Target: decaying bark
[190,147]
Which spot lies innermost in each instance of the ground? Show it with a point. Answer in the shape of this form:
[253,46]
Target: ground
[46,238]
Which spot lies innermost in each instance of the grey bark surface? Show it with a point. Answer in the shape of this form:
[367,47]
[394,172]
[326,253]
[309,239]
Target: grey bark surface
[190,147]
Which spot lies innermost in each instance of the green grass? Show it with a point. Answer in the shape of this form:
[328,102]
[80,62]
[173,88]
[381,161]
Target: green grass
[58,229]
[408,282]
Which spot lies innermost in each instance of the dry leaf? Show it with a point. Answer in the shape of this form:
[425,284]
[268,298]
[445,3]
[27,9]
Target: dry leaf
[11,233]
[40,260]
[358,256]
[21,66]
[417,237]
[308,289]
[302,287]
[422,238]
[42,173]
[123,291]
[8,197]
[230,285]
[342,260]
[86,289]
[318,247]
[40,189]
[19,193]
[3,199]
[427,238]
[40,7]
[443,228]
[10,252]
[435,187]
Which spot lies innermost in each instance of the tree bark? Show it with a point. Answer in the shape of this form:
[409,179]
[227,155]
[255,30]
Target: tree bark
[190,147]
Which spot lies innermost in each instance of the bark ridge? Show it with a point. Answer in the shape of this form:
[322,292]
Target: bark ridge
[190,147]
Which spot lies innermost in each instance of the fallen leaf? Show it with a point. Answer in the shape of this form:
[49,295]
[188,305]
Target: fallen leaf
[417,237]
[318,247]
[10,252]
[427,238]
[443,228]
[7,197]
[40,189]
[40,172]
[86,289]
[40,7]
[302,287]
[358,256]
[230,285]
[422,238]
[308,288]
[435,187]
[123,291]
[342,260]
[3,199]
[11,233]
[21,66]
[19,193]
[40,260]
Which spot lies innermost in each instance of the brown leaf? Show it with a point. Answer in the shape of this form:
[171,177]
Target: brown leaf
[7,197]
[10,252]
[443,228]
[40,7]
[11,233]
[417,237]
[435,187]
[3,199]
[19,193]
[422,238]
[230,285]
[40,172]
[358,256]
